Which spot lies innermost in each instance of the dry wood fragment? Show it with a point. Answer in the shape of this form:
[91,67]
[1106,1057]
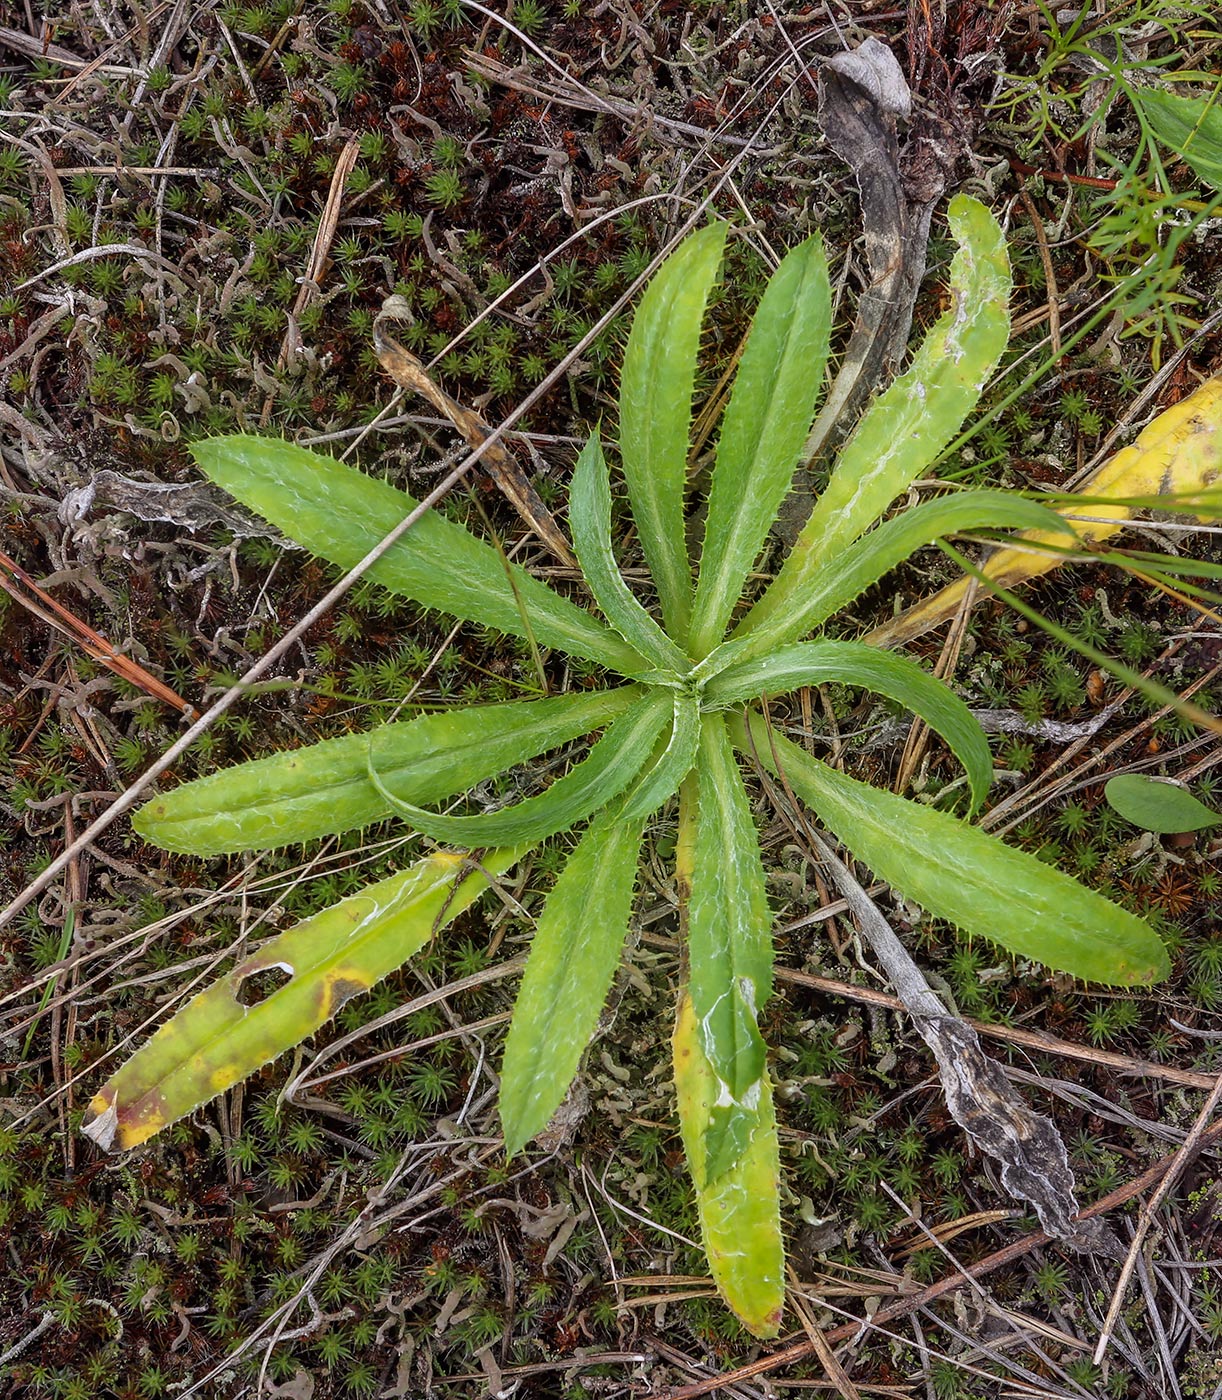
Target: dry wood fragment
[320,257]
[981,1099]
[1040,1041]
[1176,1167]
[837,1376]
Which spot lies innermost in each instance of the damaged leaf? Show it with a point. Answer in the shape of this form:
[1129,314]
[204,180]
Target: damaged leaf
[739,1209]
[218,1039]
[729,949]
[906,427]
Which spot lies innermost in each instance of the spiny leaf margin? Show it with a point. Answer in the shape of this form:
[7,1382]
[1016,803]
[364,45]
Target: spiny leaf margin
[966,876]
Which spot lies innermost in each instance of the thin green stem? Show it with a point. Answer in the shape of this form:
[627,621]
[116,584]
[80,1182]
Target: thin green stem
[1131,678]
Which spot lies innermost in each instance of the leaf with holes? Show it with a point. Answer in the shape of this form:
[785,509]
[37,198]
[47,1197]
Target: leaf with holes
[223,1035]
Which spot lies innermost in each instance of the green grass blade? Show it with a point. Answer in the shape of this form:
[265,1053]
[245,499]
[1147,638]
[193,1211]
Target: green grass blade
[854,663]
[656,389]
[740,1216]
[590,521]
[1135,680]
[846,576]
[340,514]
[65,942]
[612,763]
[729,946]
[572,960]
[909,424]
[673,764]
[766,422]
[216,1040]
[966,876]
[324,789]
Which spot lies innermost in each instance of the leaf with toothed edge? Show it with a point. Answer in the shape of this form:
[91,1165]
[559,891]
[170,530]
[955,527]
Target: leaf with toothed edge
[216,1040]
[729,946]
[576,948]
[672,765]
[612,763]
[325,788]
[847,575]
[916,416]
[853,663]
[740,1215]
[1171,464]
[765,424]
[964,875]
[590,520]
[340,514]
[572,960]
[673,730]
[656,388]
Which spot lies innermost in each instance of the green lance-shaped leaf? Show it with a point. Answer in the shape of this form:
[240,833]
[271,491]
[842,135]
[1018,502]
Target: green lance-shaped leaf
[1190,126]
[850,572]
[577,943]
[216,1040]
[1157,806]
[602,775]
[656,388]
[590,520]
[672,765]
[729,946]
[740,1217]
[325,788]
[854,663]
[572,959]
[766,422]
[909,424]
[962,874]
[340,514]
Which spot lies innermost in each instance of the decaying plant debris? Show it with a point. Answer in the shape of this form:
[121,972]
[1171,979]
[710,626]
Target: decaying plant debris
[167,271]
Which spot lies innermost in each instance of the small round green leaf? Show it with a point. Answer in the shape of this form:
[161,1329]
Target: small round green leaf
[1158,806]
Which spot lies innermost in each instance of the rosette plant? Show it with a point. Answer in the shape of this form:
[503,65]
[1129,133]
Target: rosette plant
[683,725]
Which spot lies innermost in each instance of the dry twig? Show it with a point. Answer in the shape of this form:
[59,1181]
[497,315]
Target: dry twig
[22,589]
[1187,1150]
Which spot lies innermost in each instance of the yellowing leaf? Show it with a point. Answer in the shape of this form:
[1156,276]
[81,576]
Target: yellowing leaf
[740,1218]
[1178,455]
[225,1033]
